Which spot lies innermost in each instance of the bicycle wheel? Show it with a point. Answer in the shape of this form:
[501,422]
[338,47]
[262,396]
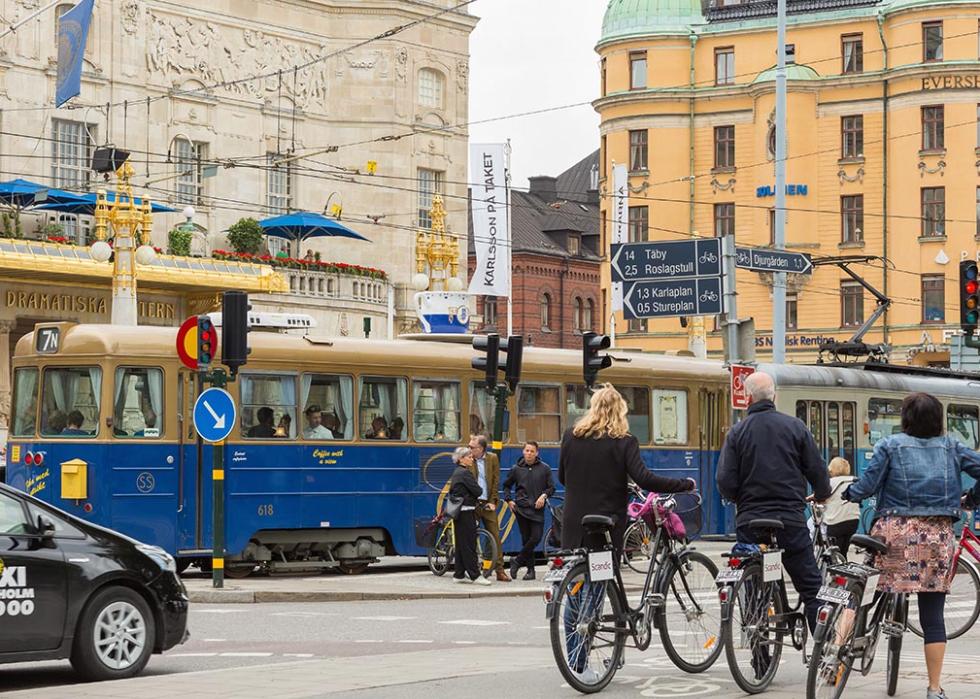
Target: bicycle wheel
[638,546]
[440,555]
[831,661]
[486,552]
[753,646]
[690,618]
[962,602]
[551,545]
[897,614]
[588,632]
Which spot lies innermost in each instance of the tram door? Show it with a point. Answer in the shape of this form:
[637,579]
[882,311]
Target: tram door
[719,518]
[194,482]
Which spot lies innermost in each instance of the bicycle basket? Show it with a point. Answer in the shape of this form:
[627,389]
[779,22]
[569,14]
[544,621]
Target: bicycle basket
[688,510]
[426,530]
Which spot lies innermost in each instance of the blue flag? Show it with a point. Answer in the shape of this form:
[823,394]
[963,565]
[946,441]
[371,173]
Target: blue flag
[72,35]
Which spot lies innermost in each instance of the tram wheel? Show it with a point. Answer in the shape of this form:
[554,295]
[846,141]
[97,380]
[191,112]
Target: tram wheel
[239,571]
[352,568]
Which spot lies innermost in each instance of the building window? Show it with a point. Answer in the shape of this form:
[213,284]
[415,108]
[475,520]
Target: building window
[190,182]
[574,244]
[852,136]
[852,219]
[602,82]
[431,182]
[852,53]
[933,212]
[932,41]
[71,157]
[724,219]
[638,150]
[639,224]
[603,151]
[638,70]
[791,323]
[933,298]
[588,319]
[546,311]
[432,87]
[851,304]
[772,226]
[725,66]
[278,185]
[490,311]
[638,325]
[578,312]
[933,131]
[724,146]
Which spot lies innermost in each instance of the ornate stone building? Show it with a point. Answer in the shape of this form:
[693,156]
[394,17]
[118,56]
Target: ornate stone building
[214,99]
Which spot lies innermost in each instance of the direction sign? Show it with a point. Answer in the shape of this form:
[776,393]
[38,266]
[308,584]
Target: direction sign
[666,259]
[676,297]
[214,414]
[766,260]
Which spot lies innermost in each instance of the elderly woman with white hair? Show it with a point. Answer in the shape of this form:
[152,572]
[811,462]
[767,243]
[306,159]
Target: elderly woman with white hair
[463,485]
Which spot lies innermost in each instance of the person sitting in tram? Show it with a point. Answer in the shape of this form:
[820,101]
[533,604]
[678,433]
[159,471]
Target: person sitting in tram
[284,430]
[57,422]
[314,424]
[264,429]
[379,429]
[75,420]
[397,427]
[332,422]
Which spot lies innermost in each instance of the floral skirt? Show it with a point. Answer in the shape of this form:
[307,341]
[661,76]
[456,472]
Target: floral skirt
[920,553]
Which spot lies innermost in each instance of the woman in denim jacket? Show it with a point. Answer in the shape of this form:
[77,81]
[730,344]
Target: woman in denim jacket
[916,478]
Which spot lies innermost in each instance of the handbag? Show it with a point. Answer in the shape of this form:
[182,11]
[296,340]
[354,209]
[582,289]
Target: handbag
[453,506]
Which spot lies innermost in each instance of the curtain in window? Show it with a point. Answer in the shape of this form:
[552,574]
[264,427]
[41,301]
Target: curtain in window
[481,411]
[447,421]
[287,390]
[307,380]
[154,383]
[119,397]
[344,406]
[25,405]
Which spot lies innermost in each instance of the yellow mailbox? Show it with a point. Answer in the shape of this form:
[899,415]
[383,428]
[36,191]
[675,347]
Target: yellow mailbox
[74,479]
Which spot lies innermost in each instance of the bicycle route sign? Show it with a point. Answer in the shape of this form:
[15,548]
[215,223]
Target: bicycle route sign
[676,297]
[666,259]
[766,260]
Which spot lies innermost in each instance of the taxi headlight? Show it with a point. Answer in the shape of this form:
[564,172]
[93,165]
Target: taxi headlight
[159,556]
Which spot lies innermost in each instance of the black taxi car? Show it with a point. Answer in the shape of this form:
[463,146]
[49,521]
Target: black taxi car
[71,589]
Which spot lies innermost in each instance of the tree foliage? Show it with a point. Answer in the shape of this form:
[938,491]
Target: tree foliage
[179,242]
[246,236]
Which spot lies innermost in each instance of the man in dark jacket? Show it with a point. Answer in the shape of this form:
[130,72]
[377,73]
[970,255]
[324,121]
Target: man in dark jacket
[766,462]
[534,485]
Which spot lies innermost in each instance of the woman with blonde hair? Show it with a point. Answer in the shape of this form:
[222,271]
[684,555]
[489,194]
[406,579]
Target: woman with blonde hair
[598,457]
[840,516]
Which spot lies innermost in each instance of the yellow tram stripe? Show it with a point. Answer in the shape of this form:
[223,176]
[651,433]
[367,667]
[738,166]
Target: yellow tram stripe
[218,474]
[218,563]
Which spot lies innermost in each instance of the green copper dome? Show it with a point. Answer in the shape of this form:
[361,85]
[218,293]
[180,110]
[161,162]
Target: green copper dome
[634,18]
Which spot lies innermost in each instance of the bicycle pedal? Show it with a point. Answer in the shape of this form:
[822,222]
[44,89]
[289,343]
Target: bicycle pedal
[656,599]
[890,628]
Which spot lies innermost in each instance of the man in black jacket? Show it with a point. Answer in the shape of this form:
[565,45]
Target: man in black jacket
[766,463]
[534,485]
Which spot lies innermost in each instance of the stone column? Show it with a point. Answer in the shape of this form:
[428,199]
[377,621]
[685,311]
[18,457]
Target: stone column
[5,388]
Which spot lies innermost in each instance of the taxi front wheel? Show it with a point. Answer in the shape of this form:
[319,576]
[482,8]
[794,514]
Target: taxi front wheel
[114,637]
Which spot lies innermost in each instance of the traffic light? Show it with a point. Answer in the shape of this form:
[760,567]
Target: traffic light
[207,342]
[234,329]
[969,297]
[488,364]
[515,356]
[592,361]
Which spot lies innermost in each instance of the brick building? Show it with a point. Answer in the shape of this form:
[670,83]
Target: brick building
[555,260]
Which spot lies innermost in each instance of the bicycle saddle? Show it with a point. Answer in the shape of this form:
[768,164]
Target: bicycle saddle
[598,522]
[869,543]
[766,524]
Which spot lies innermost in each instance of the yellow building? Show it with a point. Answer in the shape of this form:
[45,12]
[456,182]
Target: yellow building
[883,156]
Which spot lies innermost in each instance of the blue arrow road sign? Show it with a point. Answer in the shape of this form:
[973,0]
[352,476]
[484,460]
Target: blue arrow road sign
[666,259]
[766,260]
[214,414]
[677,297]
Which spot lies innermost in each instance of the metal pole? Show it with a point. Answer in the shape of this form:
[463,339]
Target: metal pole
[498,418]
[731,307]
[779,278]
[218,535]
[510,245]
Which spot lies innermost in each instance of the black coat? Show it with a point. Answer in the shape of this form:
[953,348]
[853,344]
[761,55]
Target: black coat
[595,474]
[464,484]
[529,483]
[766,462]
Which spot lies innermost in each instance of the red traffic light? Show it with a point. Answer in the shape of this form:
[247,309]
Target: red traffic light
[972,286]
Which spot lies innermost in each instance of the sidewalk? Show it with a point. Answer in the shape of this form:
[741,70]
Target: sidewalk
[413,584]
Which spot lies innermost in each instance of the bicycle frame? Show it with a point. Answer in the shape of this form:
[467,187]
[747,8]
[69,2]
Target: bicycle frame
[970,543]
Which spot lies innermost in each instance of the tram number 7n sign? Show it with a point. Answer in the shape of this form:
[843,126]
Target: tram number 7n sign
[740,397]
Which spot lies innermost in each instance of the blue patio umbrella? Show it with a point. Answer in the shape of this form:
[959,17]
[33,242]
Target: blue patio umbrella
[301,225]
[87,202]
[23,193]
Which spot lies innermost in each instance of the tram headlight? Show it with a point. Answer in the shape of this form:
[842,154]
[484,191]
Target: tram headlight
[159,556]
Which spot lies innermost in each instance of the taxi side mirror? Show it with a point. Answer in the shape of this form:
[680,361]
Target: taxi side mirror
[45,527]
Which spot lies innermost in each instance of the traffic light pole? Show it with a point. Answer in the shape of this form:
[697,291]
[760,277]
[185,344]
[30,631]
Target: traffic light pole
[218,379]
[500,410]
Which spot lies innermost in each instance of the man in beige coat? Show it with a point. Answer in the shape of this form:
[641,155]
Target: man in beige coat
[488,476]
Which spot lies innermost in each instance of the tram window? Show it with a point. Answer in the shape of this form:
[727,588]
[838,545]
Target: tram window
[833,429]
[576,403]
[383,406]
[482,407]
[137,410]
[669,417]
[538,414]
[435,411]
[848,430]
[884,418]
[328,407]
[25,403]
[816,423]
[268,406]
[638,402]
[963,422]
[801,413]
[70,402]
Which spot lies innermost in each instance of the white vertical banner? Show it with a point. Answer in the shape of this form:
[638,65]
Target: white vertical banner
[491,224]
[620,228]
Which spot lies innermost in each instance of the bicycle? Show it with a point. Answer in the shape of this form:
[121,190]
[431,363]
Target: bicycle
[591,618]
[552,538]
[441,555]
[850,624]
[753,596]
[825,552]
[638,538]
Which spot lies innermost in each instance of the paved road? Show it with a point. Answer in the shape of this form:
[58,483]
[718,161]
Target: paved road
[411,648]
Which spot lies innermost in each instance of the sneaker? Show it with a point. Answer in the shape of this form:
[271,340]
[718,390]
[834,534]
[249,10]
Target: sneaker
[941,694]
[515,565]
[465,581]
[482,581]
[589,676]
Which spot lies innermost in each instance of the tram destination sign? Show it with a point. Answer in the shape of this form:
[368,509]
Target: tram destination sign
[675,297]
[666,259]
[766,260]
